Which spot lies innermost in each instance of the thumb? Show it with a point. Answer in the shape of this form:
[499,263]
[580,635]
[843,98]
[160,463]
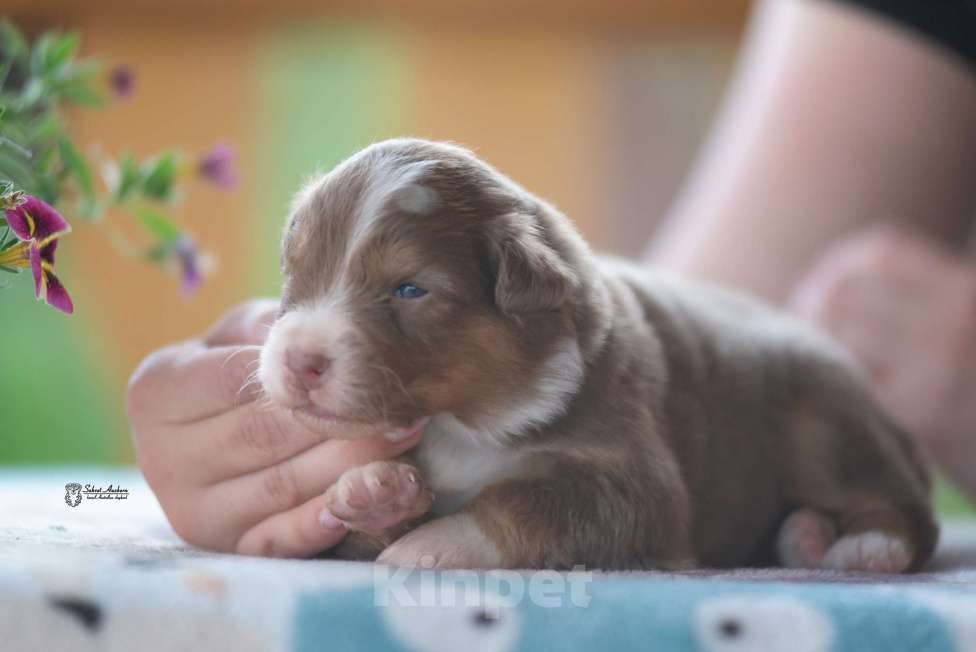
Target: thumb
[247,323]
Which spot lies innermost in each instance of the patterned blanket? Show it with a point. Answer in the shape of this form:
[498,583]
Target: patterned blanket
[87,562]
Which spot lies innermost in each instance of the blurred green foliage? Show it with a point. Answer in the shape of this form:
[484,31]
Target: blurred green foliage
[39,157]
[54,376]
[56,405]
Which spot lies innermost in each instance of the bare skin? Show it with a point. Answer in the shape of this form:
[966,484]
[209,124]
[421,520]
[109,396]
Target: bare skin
[839,121]
[906,308]
[836,120]
[232,472]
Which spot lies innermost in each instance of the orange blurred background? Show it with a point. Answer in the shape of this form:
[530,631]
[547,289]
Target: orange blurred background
[597,106]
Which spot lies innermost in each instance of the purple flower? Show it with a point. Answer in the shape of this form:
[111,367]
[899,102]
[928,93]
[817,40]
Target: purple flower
[122,81]
[218,166]
[38,227]
[188,257]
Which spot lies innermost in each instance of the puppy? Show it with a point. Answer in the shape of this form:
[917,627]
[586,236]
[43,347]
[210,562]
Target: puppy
[576,409]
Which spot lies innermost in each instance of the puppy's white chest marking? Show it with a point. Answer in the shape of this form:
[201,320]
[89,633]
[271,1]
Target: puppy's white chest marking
[459,461]
[457,466]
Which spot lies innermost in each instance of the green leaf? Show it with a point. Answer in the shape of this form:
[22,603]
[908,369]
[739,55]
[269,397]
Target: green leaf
[160,226]
[10,145]
[76,84]
[31,94]
[7,100]
[79,168]
[47,188]
[38,55]
[159,177]
[47,127]
[161,252]
[62,50]
[80,94]
[129,178]
[7,240]
[14,131]
[52,53]
[12,168]
[45,163]
[13,43]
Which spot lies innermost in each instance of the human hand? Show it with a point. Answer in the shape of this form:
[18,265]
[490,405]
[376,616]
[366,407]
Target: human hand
[906,309]
[232,472]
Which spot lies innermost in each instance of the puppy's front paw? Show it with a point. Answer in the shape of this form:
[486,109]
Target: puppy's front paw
[454,541]
[378,496]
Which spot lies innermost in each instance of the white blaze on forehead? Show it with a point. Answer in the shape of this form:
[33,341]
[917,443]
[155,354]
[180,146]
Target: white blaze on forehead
[392,180]
[389,181]
[416,199]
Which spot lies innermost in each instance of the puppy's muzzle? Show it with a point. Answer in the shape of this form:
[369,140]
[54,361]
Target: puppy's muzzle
[307,367]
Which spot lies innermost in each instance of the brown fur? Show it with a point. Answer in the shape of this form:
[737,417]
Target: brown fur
[701,418]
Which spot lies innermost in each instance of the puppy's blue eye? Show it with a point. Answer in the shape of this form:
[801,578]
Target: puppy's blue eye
[409,291]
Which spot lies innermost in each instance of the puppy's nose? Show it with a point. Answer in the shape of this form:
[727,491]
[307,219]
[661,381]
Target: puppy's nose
[309,368]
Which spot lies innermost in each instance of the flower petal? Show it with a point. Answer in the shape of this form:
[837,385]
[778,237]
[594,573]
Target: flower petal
[47,250]
[188,256]
[218,166]
[122,81]
[36,219]
[57,295]
[37,269]
[18,223]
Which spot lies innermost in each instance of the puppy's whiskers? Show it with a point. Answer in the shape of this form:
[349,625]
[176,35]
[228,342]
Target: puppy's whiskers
[366,398]
[231,355]
[396,377]
[250,381]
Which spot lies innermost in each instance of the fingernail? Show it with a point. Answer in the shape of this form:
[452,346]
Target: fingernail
[401,434]
[328,521]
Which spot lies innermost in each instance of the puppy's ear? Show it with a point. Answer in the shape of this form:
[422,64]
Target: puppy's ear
[529,275]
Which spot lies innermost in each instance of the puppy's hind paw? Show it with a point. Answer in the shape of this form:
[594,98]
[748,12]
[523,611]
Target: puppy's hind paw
[377,496]
[804,538]
[870,552]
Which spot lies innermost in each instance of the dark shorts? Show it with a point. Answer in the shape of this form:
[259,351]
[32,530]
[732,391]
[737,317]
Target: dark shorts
[950,23]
